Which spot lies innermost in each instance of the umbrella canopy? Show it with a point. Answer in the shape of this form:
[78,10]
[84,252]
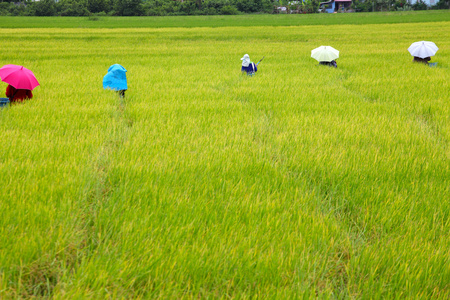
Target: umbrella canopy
[116,78]
[325,53]
[19,77]
[423,49]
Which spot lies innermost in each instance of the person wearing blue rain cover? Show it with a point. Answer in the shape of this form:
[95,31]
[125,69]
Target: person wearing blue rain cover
[248,66]
[116,79]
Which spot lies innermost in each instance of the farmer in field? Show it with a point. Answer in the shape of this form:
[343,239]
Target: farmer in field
[17,95]
[422,60]
[329,63]
[325,55]
[116,79]
[422,51]
[21,81]
[247,66]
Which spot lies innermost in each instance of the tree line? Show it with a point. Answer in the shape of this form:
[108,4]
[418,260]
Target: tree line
[395,5]
[189,7]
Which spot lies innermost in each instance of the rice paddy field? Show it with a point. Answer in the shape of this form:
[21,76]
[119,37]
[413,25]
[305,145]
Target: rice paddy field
[303,181]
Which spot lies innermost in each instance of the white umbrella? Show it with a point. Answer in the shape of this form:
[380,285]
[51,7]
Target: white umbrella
[423,49]
[325,53]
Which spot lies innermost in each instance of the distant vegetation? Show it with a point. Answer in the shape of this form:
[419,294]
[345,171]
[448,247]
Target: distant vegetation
[190,7]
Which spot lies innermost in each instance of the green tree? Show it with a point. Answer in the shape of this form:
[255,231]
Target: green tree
[44,8]
[420,5]
[73,8]
[96,6]
[311,6]
[252,6]
[128,7]
[442,4]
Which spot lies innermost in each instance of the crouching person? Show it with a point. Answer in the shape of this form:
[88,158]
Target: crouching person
[116,79]
[248,67]
[17,95]
[329,63]
[421,60]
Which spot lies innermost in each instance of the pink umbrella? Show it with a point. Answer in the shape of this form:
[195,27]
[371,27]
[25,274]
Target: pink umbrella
[19,77]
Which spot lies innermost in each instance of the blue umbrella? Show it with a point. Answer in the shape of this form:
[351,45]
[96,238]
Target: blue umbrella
[116,78]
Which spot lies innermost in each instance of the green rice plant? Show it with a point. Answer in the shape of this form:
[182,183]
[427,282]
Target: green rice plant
[302,181]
